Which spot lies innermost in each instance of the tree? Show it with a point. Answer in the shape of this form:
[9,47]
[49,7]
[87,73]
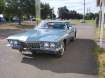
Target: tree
[46,11]
[20,8]
[63,12]
[90,16]
[25,8]
[2,4]
[74,15]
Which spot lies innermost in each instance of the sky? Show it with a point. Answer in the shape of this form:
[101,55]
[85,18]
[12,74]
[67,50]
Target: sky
[77,5]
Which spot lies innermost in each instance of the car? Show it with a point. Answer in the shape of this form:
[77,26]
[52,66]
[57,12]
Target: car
[82,21]
[50,36]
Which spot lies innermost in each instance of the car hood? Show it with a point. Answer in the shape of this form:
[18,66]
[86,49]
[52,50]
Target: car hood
[51,35]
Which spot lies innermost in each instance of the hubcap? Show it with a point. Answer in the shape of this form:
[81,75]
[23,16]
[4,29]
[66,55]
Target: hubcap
[62,51]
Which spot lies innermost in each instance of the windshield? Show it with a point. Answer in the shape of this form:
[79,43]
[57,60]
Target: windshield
[53,25]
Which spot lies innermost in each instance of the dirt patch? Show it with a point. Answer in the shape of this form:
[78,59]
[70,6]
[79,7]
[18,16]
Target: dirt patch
[8,26]
[24,25]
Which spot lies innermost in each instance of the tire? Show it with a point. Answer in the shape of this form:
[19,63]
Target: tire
[74,38]
[61,52]
[33,52]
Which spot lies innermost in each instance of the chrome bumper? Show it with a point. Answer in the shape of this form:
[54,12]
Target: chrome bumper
[46,50]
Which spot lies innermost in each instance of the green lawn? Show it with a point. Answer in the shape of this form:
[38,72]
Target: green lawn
[89,22]
[25,26]
[100,53]
[76,22]
[98,34]
[100,56]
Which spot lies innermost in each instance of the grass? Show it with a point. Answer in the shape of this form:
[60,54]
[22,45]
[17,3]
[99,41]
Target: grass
[98,34]
[102,65]
[89,22]
[100,53]
[22,26]
[26,25]
[76,22]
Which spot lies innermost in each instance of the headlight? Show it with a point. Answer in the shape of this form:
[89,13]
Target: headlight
[46,45]
[15,42]
[52,45]
[12,42]
[49,45]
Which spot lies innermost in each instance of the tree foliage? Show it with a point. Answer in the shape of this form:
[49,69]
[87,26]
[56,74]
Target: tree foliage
[74,15]
[90,16]
[45,11]
[64,13]
[21,8]
[2,4]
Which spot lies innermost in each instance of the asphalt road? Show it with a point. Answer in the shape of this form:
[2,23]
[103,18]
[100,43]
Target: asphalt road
[78,61]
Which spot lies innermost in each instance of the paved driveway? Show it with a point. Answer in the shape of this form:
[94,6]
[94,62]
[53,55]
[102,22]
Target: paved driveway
[77,62]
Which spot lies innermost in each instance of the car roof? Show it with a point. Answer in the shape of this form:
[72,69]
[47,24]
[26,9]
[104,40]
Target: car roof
[63,21]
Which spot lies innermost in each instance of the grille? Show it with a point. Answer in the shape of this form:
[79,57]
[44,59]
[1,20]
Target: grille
[33,45]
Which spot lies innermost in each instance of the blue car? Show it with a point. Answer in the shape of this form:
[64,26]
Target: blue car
[48,37]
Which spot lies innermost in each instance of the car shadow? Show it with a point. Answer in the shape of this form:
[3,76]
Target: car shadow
[78,58]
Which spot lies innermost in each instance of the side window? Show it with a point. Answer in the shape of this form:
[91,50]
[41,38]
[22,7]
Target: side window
[68,25]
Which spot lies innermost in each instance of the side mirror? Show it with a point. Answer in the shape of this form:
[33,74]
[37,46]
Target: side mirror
[66,27]
[70,28]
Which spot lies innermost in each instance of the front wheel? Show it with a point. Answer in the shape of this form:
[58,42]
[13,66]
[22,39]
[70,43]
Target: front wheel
[61,52]
[33,52]
[74,38]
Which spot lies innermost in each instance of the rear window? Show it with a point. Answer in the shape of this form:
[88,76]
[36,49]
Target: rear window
[55,25]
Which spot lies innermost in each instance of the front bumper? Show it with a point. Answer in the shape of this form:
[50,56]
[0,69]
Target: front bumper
[49,51]
[38,50]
